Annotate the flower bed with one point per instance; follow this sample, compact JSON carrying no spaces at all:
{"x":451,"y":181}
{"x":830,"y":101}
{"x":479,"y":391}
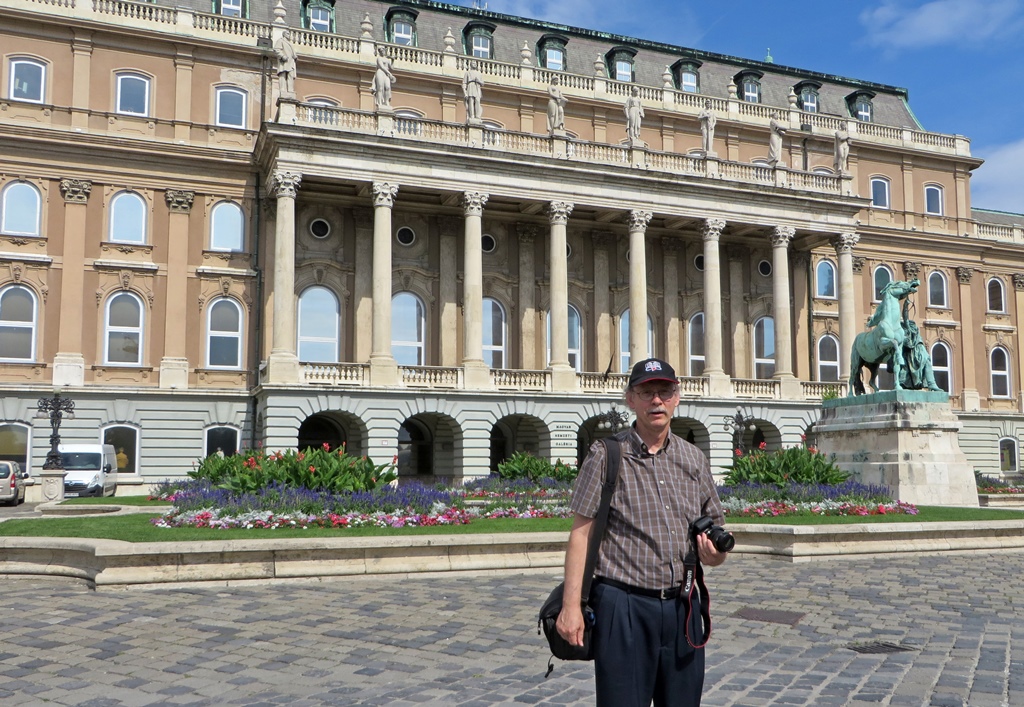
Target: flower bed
{"x":987,"y":484}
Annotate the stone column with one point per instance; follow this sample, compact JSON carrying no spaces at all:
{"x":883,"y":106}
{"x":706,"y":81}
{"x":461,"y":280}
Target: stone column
{"x":781,"y":298}
{"x":81,"y":81}
{"x":563,"y":376}
{"x":718,"y":381}
{"x":69,"y":363}
{"x":174,"y":364}
{"x":183,"y":64}
{"x":844,"y":244}
{"x":383,"y":369}
{"x":448,"y":288}
{"x":476,"y":373}
{"x":670,"y":272}
{"x":283,"y":364}
{"x":971,"y":398}
{"x":527,"y":297}
{"x":362,"y":295}
{"x":1018,"y":287}
{"x":606,"y":349}
{"x":741,"y":361}
{"x":638,"y":221}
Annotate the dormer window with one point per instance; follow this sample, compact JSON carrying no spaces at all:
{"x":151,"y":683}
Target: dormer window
{"x":478,"y":41}
{"x":551,"y":52}
{"x":232,"y":8}
{"x":748,"y":84}
{"x":620,"y":63}
{"x":860,"y":106}
{"x":401,"y":26}
{"x":807,"y":96}
{"x":687,"y":76}
{"x":319,"y":15}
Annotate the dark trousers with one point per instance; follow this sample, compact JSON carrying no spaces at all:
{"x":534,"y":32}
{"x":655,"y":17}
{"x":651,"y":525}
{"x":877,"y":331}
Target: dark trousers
{"x":641,"y":653}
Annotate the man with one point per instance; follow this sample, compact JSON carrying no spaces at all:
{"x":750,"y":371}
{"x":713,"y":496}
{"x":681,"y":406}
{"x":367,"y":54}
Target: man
{"x":285,"y":66}
{"x":641,"y":652}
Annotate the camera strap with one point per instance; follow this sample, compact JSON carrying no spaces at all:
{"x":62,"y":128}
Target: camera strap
{"x":694,"y":583}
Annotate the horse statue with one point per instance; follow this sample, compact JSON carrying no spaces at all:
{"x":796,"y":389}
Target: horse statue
{"x":884,"y":343}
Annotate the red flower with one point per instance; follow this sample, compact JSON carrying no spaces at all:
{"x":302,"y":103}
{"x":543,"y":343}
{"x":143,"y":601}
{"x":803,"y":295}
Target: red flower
{"x":301,"y":456}
{"x":312,"y":469}
{"x":762,"y":446}
{"x":739,"y":453}
{"x":327,"y":447}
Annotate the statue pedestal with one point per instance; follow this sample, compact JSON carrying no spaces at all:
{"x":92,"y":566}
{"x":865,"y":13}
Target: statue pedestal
{"x":903,"y":439}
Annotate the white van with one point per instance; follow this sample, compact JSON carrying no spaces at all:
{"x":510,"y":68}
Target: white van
{"x":91,"y":469}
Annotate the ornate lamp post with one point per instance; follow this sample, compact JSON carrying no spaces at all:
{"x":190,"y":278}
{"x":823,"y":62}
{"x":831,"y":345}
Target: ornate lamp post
{"x":613,"y":420}
{"x":737,"y":424}
{"x":55,"y":408}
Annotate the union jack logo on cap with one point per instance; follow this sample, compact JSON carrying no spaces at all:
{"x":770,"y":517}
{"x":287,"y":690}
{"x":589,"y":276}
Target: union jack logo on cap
{"x":652,"y":366}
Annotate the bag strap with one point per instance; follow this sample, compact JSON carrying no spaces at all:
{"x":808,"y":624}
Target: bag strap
{"x":695,"y":584}
{"x":613,"y":457}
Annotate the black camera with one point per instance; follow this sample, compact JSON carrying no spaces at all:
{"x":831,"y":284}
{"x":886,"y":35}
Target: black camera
{"x":721,"y":538}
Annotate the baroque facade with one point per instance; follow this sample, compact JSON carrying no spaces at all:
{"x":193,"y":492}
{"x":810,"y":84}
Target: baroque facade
{"x":228,"y":225}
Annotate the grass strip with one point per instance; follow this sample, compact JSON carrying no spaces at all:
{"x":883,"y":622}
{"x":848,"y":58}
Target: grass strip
{"x":115,"y":501}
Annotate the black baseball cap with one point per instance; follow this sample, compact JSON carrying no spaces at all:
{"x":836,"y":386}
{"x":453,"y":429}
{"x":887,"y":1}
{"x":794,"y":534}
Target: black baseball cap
{"x":652,"y":369}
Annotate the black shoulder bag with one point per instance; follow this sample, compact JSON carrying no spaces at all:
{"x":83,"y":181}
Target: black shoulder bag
{"x":560,"y":648}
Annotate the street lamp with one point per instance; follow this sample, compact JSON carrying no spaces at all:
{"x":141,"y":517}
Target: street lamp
{"x":738,"y":423}
{"x":613,"y":420}
{"x":55,"y":408}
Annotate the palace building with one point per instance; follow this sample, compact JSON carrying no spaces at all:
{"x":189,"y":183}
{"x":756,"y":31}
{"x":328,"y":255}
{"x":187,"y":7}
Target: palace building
{"x":225,"y":224}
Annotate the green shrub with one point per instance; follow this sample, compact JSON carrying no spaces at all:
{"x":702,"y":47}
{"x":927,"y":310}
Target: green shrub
{"x":314,"y":469}
{"x":801,"y":465}
{"x":526,"y":466}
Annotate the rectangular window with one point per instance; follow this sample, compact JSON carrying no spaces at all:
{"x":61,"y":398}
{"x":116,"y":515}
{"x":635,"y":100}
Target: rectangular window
{"x":401,"y":33}
{"x":623,"y":71}
{"x":554,"y":59}
{"x":880,"y":193}
{"x":751,"y":92}
{"x":230,"y":108}
{"x":27,"y":79}
{"x":864,"y":112}
{"x":132,"y":95}
{"x":688,"y":82}
{"x":481,"y":46}
{"x":320,"y":19}
{"x":810,"y":102}
{"x":933,"y":200}
{"x":231,"y":8}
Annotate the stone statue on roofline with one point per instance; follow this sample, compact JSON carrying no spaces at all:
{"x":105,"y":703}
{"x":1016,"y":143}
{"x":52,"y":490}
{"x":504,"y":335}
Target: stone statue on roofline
{"x":383,"y":80}
{"x":472,"y":90}
{"x":775,"y":140}
{"x":707,"y":120}
{"x":286,"y":61}
{"x":556,"y":107}
{"x":634,"y":110}
{"x":841,"y":158}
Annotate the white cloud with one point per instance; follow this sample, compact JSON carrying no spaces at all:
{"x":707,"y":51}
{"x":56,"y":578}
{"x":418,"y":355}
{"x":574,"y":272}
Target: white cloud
{"x":576,"y":13}
{"x":895,"y":24}
{"x":999,"y":183}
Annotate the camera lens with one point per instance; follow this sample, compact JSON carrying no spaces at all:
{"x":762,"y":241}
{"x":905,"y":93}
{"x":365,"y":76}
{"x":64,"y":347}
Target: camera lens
{"x":722,"y":539}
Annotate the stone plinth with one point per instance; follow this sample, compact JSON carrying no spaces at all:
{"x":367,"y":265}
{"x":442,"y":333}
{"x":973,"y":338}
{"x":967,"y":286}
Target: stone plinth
{"x":903,"y":439}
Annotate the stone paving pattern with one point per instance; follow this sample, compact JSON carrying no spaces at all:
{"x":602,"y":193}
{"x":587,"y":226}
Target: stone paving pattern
{"x":472,"y":641}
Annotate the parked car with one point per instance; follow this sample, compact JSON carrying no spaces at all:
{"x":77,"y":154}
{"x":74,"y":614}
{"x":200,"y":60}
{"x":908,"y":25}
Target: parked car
{"x":12,"y":483}
{"x":91,"y":469}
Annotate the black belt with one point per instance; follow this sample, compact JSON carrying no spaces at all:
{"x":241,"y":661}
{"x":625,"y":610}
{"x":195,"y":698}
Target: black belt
{"x":670,"y":593}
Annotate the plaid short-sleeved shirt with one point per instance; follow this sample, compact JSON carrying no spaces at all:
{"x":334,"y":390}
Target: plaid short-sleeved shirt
{"x":656,"y":498}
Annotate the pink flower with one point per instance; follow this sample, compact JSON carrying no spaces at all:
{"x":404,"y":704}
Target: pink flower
{"x":327,"y":447}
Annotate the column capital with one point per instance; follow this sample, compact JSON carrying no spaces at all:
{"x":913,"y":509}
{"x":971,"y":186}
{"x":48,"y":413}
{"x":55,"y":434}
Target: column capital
{"x":558,"y":212}
{"x":384,"y":194}
{"x":911,"y":269}
{"x":712,"y":229}
{"x":638,"y":220}
{"x":1018,"y":281}
{"x":283,"y":183}
{"x":781,"y":236}
{"x":845,"y":242}
{"x":75,"y":191}
{"x":473,"y":203}
{"x":179,"y":201}
{"x":526,"y":232}
{"x":964,"y":275}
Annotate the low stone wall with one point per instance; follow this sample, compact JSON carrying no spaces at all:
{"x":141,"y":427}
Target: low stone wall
{"x":1001,"y":500}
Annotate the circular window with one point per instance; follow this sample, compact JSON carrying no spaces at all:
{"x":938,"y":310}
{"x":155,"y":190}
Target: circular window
{"x":320,"y":228}
{"x":765,"y":268}
{"x":698,"y":262}
{"x":487,"y":243}
{"x":405,"y":236}
{"x":568,"y":251}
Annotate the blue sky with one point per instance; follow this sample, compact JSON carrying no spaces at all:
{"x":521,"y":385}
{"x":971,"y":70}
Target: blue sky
{"x":962,"y":61}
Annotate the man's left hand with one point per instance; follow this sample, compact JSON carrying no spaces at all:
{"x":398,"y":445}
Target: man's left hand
{"x":708,"y":553}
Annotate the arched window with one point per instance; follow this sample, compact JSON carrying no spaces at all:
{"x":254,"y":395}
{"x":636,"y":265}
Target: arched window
{"x":132,"y":94}
{"x":861,"y":108}
{"x":551,"y":52}
{"x":18,"y":313}
{"x":401,"y":25}
{"x":937,"y":290}
{"x":828,"y":358}
{"x":1008,"y":455}
{"x":22,"y":209}
{"x":807,"y":95}
{"x":127,"y":218}
{"x":221,"y":439}
{"x":882,"y":277}
{"x":748,"y":85}
{"x":687,"y":75}
{"x":941,"y":366}
{"x":996,"y":296}
{"x":494,"y":331}
{"x":408,"y":329}
{"x":14,"y":443}
{"x":880,"y":192}
{"x":620,"y":63}
{"x":318,"y":15}
{"x":695,"y":341}
{"x":227,"y":227}
{"x":624,"y":358}
{"x":123,"y":330}
{"x":1000,"y":368}
{"x":933,"y":203}
{"x":319,"y":326}
{"x":224,"y":334}
{"x":575,"y":338}
{"x":231,"y":105}
{"x":28,"y":81}
{"x":125,"y":441}
{"x":478,"y":39}
{"x":825,"y":279}
{"x":764,"y":348}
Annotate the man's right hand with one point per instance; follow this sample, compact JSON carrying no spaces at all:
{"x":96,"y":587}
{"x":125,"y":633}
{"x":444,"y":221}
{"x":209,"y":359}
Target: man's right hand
{"x":570,"y":624}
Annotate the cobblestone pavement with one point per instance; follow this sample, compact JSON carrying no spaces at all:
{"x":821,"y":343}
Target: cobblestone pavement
{"x":472,"y":640}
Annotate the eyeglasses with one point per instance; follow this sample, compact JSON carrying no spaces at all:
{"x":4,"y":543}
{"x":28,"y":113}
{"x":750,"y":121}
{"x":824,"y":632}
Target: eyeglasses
{"x":648,"y":394}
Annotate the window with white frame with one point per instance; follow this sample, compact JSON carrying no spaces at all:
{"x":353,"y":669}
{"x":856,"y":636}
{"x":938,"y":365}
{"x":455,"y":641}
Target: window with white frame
{"x":227,"y":227}
{"x":807,"y":97}
{"x":125,"y":441}
{"x":695,"y":342}
{"x":402,"y":32}
{"x":749,"y":86}
{"x":996,"y":296}
{"x":860,"y":105}
{"x":224,"y":334}
{"x":319,"y":15}
{"x":933,"y":203}
{"x":999,"y":365}
{"x":575,"y":338}
{"x":408,"y":329}
{"x":481,"y":46}
{"x":623,"y":70}
{"x":764,"y":348}
{"x":221,"y":440}
{"x":22,"y":210}
{"x":937,"y":291}
{"x":941,"y":366}
{"x":687,"y":75}
{"x":1008,"y":457}
{"x":19,"y":312}
{"x":132,"y":94}
{"x":624,"y":357}
{"x":14,"y":443}
{"x":127,"y":218}
{"x":825,"y":279}
{"x":880,"y":192}
{"x":620,"y":63}
{"x":123,"y":330}
{"x":231,"y":104}
{"x":232,"y":8}
{"x":495,"y":332}
{"x":882,"y":277}
{"x":551,"y":52}
{"x":401,"y":26}
{"x":477,"y":40}
{"x":319,"y":326}
{"x":828,"y":359}
{"x":28,"y":81}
